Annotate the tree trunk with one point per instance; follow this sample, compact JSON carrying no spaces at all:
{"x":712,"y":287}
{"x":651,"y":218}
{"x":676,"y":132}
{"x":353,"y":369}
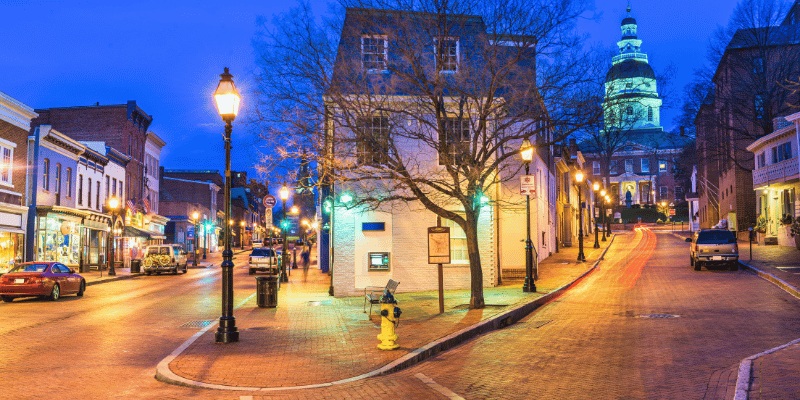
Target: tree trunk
{"x":476,"y":272}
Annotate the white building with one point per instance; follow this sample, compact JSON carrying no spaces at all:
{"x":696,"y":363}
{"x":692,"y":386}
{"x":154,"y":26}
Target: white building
{"x":775,"y":178}
{"x":152,"y":155}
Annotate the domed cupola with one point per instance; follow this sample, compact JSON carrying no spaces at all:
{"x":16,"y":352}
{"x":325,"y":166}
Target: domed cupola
{"x":631,"y":96}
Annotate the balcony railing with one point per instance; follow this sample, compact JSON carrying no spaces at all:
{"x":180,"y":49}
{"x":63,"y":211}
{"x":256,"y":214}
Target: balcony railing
{"x":621,"y":57}
{"x":777,"y":172}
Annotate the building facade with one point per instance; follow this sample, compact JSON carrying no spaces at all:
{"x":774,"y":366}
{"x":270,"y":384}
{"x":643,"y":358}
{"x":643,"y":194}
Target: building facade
{"x":182,"y":192}
{"x":776,"y":179}
{"x":15,"y":119}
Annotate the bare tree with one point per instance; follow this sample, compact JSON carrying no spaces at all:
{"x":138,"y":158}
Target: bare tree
{"x":432,"y":113}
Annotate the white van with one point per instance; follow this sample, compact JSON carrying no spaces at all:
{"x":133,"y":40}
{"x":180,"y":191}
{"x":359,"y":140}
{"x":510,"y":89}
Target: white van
{"x":164,"y":258}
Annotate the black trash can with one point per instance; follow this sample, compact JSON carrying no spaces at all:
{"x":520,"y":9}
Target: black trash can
{"x":267,"y":291}
{"x":136,"y":266}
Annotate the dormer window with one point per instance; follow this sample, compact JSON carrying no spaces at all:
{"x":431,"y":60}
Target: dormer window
{"x":374,"y":51}
{"x":447,"y":52}
{"x":628,"y":85}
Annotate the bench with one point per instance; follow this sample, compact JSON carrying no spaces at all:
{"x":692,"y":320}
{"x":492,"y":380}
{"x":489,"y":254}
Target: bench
{"x":372,"y":294}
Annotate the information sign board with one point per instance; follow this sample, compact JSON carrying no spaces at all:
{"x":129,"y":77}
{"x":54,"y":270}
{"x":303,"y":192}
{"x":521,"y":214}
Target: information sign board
{"x":527,"y":185}
{"x":439,"y":245}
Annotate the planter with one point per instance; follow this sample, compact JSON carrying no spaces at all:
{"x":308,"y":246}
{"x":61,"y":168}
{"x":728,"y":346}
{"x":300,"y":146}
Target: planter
{"x":760,"y":238}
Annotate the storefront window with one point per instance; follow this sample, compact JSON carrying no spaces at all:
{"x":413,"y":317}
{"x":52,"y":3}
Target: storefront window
{"x":58,"y":240}
{"x":11,"y":246}
{"x":97,"y":247}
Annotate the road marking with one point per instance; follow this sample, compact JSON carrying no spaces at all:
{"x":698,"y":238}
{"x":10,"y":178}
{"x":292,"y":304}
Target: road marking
{"x":245,"y":397}
{"x":437,"y":387}
{"x":785,"y":268}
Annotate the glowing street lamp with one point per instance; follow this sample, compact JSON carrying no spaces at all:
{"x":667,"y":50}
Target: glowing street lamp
{"x":284,"y":195}
{"x":227,"y":99}
{"x":526,"y":153}
{"x":241,"y":234}
{"x":579,"y":179}
{"x":114,"y":210}
{"x":596,"y":188}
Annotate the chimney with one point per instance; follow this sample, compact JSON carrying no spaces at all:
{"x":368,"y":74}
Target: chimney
{"x":573,"y":148}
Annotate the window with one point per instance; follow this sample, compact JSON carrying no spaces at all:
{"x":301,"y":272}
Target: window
{"x":46,"y":175}
{"x":762,"y":160}
{"x":645,"y":164}
{"x":613,"y":166}
{"x":758,"y":106}
{"x":89,"y":197}
{"x":678,"y":193}
{"x":629,"y":111}
{"x":758,"y":65}
{"x":453,"y":141}
{"x":774,"y":155}
{"x":372,"y":140}
{"x":69,"y":182}
{"x":649,"y":113}
{"x":447,"y":52}
{"x":458,"y":243}
{"x":595,"y":168}
{"x":628,"y":165}
{"x":120,"y":191}
{"x":97,"y":199}
{"x":6,"y":164}
{"x":58,"y":179}
{"x":374,"y":53}
{"x":781,"y":152}
{"x":662,"y":166}
{"x":662,"y":192}
{"x":108,"y":184}
{"x":113,"y":186}
{"x":80,"y":190}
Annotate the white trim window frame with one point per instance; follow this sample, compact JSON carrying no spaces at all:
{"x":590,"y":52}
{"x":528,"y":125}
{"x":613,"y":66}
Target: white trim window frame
{"x":374,"y":53}
{"x":662,"y":166}
{"x":6,"y":165}
{"x":454,"y":142}
{"x":450,"y":58}
{"x":459,"y":253}
{"x":595,"y":168}
{"x":645,"y":164}
{"x":372,"y":140}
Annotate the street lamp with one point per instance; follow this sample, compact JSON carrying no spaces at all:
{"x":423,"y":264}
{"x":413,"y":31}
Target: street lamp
{"x":241,"y":234}
{"x":526,"y":152}
{"x":603,"y":202}
{"x":113,"y":207}
{"x":295,"y":210}
{"x":284,"y":195}
{"x":596,"y":188}
{"x":227,"y":99}
{"x":195,"y":217}
{"x":579,"y":179}
{"x":206,"y":227}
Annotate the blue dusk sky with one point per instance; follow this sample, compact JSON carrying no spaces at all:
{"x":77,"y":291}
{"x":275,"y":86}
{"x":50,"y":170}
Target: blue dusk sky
{"x":167,"y":56}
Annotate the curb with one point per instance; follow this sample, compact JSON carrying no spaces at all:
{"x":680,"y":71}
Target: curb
{"x":164,"y":374}
{"x":116,"y":278}
{"x":773,"y":279}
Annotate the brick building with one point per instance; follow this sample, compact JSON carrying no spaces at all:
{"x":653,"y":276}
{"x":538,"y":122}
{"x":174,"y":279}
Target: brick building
{"x":748,"y":94}
{"x":122,"y":126}
{"x":182,"y":192}
{"x":15,"y":118}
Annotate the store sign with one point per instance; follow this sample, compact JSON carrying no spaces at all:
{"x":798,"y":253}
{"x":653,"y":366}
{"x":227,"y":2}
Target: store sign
{"x":7,"y":219}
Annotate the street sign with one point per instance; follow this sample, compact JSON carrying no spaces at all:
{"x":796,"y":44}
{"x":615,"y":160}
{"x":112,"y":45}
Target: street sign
{"x":671,"y":212}
{"x":527,"y":185}
{"x":617,"y":215}
{"x":190,"y":232}
{"x":269,"y":201}
{"x":439,"y":245}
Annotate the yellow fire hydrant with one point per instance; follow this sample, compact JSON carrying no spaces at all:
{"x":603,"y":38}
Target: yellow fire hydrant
{"x":390,"y":318}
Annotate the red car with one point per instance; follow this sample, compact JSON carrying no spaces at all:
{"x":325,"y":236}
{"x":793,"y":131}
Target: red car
{"x":44,"y":279}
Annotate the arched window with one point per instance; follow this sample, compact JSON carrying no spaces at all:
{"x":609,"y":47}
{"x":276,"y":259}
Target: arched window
{"x":629,"y":110}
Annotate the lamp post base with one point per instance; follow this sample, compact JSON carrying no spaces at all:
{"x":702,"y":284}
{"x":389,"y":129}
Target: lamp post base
{"x":529,"y":286}
{"x":284,"y":277}
{"x":227,"y":332}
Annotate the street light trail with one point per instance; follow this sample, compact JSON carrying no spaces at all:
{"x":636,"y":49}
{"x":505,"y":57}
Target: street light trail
{"x":633,"y":269}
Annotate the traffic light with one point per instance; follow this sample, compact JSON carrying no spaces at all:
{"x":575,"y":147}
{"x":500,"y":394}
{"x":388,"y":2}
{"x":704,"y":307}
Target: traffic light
{"x":285,"y":224}
{"x":327,"y":205}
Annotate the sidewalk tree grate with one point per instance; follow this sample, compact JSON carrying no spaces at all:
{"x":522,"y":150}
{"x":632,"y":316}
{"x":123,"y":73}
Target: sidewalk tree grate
{"x":197,"y":324}
{"x":319,"y":303}
{"x":659,"y":316}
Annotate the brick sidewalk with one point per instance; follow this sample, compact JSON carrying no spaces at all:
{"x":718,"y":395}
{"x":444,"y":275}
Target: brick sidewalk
{"x":331,"y":339}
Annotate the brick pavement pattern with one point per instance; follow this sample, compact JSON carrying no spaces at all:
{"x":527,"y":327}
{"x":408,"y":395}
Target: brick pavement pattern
{"x":675,"y":333}
{"x":331,"y":338}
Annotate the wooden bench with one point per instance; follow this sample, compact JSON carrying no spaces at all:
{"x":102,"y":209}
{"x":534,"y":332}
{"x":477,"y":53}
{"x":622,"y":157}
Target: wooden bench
{"x":372,"y":294}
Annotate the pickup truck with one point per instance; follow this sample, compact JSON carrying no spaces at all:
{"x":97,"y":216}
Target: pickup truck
{"x":264,"y":260}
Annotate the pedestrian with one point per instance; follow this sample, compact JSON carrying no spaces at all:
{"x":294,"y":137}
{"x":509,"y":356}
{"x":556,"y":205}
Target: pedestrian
{"x":305,"y":255}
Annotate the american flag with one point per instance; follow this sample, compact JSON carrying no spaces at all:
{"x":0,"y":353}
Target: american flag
{"x":146,"y":204}
{"x":131,"y":205}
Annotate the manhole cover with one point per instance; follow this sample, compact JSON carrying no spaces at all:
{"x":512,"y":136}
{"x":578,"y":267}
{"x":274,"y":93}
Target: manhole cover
{"x":659,"y":316}
{"x":319,"y":303}
{"x":257,"y":328}
{"x":197,"y":324}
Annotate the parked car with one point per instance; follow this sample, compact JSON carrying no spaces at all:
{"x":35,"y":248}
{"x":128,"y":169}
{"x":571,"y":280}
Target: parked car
{"x":264,"y":260}
{"x":714,"y":247}
{"x":299,"y":242}
{"x":164,"y":258}
{"x":44,"y":279}
{"x":257,"y":244}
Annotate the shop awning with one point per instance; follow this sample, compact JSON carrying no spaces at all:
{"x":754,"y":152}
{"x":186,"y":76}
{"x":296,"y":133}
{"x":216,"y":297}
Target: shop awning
{"x":10,"y":229}
{"x":131,"y":231}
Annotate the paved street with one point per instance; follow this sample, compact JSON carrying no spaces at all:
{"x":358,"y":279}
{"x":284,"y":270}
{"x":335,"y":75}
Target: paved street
{"x":643,"y":324}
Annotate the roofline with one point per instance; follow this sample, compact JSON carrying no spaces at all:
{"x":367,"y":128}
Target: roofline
{"x":16,"y":112}
{"x":407,"y":12}
{"x":160,"y":142}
